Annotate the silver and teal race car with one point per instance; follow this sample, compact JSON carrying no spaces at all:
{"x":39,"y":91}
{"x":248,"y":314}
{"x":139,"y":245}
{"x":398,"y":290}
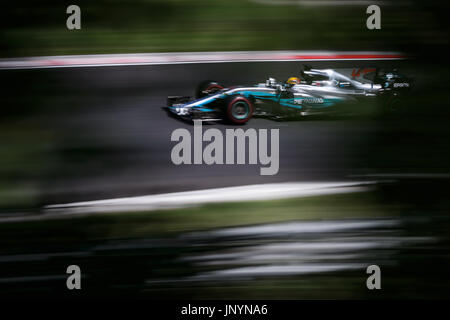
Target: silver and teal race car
{"x":314,"y":92}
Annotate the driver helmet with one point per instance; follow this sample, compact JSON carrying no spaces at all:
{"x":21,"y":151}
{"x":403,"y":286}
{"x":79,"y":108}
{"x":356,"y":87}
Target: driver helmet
{"x":293,"y":81}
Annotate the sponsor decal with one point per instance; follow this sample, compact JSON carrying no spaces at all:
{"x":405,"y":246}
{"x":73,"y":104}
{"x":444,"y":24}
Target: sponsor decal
{"x":401,"y":85}
{"x":308,"y":100}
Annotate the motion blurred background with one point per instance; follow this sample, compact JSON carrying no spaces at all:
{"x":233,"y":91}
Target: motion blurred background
{"x":81,"y":134}
{"x":113,"y":26}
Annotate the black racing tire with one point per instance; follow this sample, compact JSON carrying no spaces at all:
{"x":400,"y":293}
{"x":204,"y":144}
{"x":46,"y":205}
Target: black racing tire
{"x":238,"y":109}
{"x":206,"y":88}
{"x":394,"y":107}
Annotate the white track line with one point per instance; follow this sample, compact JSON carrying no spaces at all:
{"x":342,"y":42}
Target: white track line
{"x":258,"y":192}
{"x":76,"y":61}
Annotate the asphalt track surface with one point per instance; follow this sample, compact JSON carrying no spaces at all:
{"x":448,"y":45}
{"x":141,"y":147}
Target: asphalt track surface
{"x":106,"y":136}
{"x":112,"y":139}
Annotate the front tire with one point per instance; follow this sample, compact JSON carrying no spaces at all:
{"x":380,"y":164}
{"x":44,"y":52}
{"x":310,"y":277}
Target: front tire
{"x":238,"y":110}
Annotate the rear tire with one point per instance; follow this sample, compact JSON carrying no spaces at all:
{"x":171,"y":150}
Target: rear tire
{"x":394,"y":107}
{"x":238,"y":109}
{"x":206,"y":88}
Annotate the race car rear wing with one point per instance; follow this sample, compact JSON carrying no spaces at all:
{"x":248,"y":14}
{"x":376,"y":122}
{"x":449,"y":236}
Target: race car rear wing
{"x":377,"y":75}
{"x":370,"y":74}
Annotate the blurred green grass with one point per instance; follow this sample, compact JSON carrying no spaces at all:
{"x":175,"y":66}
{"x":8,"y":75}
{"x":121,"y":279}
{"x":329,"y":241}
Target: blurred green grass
{"x":170,"y":223}
{"x":166,"y":226}
{"x":25,"y":157}
{"x":200,"y":25}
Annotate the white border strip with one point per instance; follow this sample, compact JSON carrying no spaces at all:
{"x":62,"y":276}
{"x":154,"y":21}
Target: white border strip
{"x":191,"y":58}
{"x":259,"y":192}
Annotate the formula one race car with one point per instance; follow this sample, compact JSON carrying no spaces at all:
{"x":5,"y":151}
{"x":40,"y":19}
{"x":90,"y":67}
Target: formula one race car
{"x":314,"y":92}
